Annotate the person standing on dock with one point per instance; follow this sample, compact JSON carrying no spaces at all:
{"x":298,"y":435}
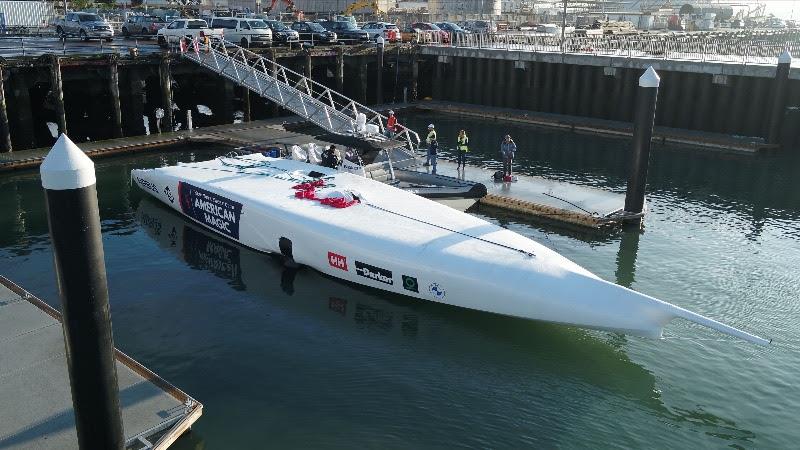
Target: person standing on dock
{"x":432,"y":143}
{"x":507,"y":150}
{"x":462,"y":146}
{"x":391,"y":125}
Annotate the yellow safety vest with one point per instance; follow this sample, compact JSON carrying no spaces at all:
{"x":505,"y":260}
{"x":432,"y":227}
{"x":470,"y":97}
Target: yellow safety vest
{"x":462,"y":143}
{"x":431,"y":136}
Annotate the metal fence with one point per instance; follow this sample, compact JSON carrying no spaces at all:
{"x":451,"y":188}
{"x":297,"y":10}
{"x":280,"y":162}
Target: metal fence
{"x":690,"y":48}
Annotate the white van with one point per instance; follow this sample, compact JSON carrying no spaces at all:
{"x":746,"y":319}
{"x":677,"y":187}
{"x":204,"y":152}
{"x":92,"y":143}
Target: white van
{"x":244,"y":32}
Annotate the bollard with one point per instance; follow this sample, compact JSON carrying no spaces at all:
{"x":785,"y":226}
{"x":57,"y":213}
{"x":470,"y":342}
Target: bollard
{"x":379,"y":78}
{"x":779,"y":98}
{"x":69,"y":182}
{"x":189,"y":119}
{"x":645,"y":115}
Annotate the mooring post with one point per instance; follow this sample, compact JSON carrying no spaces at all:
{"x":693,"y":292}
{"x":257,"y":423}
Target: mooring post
{"x":246,"y":101}
{"x":58,"y":92}
{"x":189,"y":125}
{"x":379,"y":72}
{"x":779,"y":98}
{"x":414,"y":76}
{"x":645,"y":116}
{"x":308,"y":67}
{"x":113,"y":87}
{"x":166,"y":91}
{"x":362,"y":80}
{"x":273,"y":70}
{"x":340,"y":70}
{"x":69,"y":183}
{"x":5,"y":129}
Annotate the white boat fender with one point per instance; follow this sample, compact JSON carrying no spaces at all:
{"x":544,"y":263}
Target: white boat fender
{"x":314,"y":153}
{"x":298,"y":154}
{"x":361,"y":122}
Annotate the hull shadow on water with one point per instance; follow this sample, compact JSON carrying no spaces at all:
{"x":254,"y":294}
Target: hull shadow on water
{"x":527,"y":356}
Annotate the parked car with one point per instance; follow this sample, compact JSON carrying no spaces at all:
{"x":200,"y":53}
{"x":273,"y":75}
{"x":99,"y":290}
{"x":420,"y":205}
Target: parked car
{"x":347,"y":32}
{"x":479,"y":26}
{"x":245,"y":32}
{"x":434,"y":33}
{"x":313,"y":33}
{"x":142,"y":25}
{"x":85,"y":26}
{"x":281,"y":34}
{"x":451,"y":27}
{"x":191,"y":28}
{"x":389,"y":31}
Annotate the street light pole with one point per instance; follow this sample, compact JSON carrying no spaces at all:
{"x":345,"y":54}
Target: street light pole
{"x":563,"y":25}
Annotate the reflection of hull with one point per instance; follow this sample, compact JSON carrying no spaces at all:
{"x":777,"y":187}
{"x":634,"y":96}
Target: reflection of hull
{"x":402,"y":243}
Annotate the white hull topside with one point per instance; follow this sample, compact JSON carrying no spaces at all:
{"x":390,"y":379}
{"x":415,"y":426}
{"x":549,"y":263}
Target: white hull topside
{"x":399,"y":242}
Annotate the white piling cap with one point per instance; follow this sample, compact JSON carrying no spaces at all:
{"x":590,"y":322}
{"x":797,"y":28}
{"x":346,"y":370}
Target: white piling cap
{"x":785,"y":58}
{"x":66,"y":167}
{"x":649,"y":78}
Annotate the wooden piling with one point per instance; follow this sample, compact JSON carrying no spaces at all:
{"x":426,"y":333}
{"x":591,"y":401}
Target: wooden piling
{"x":362,"y":80}
{"x":340,"y":69}
{"x":272,"y":57}
{"x":246,"y":104}
{"x":308,"y":67}
{"x":166,"y":91}
{"x":113,"y":88}
{"x":5,"y":129}
{"x":58,"y":92}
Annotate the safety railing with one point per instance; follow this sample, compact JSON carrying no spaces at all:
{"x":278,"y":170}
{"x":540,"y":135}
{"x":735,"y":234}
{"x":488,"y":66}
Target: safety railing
{"x":36,"y":46}
{"x":313,"y":101}
{"x":714,"y":48}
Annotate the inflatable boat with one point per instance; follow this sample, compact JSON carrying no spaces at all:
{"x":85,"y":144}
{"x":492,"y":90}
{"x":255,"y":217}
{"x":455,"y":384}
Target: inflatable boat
{"x":367,"y":232}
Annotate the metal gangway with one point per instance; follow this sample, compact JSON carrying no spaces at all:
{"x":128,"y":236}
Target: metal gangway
{"x":313,"y":101}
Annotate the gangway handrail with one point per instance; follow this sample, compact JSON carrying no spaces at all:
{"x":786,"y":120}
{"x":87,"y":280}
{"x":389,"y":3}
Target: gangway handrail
{"x":312,"y":100}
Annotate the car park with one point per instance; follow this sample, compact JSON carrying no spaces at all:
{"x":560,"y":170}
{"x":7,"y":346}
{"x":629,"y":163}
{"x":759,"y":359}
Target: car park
{"x":389,"y":31}
{"x":346,"y":31}
{"x":313,"y":33}
{"x":142,"y":25}
{"x":281,"y":34}
{"x":245,"y":32}
{"x":451,"y":28}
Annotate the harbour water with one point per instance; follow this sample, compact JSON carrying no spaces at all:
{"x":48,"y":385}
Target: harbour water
{"x":298,"y":360}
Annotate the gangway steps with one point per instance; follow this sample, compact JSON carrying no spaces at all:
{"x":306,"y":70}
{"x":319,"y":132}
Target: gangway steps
{"x":313,"y":101}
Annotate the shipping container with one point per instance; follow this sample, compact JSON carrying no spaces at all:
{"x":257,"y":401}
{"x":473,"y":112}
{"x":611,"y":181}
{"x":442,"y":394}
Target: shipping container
{"x":16,"y":14}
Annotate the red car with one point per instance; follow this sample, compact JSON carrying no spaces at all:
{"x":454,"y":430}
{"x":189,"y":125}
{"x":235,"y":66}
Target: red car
{"x":432,"y":29}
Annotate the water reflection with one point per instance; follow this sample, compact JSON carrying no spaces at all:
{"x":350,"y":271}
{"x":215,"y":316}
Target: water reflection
{"x":626,"y":257}
{"x":519,"y":349}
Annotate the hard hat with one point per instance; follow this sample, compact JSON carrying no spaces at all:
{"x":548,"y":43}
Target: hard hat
{"x":391,"y":112}
{"x":430,"y":126}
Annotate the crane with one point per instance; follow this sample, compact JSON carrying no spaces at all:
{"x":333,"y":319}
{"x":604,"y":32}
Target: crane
{"x":359,"y":4}
{"x":290,"y":8}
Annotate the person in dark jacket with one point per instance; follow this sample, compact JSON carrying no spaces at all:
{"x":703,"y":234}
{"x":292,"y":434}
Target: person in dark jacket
{"x":507,"y":150}
{"x":330,"y":157}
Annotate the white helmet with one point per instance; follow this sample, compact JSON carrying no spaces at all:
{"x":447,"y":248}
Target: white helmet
{"x":430,"y":126}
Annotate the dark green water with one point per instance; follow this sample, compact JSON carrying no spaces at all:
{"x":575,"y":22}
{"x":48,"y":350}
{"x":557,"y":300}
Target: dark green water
{"x":298,"y":360}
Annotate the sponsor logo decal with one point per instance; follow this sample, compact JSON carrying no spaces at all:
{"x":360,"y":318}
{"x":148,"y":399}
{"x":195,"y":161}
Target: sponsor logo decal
{"x":437,"y":291}
{"x":374,"y":273}
{"x":169,"y":195}
{"x":144,"y":184}
{"x":215,"y":211}
{"x":337,"y":261}
{"x":410,"y":283}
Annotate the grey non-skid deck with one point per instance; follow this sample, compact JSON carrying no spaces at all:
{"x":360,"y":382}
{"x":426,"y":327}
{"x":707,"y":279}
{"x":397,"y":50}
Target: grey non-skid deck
{"x":36,"y":403}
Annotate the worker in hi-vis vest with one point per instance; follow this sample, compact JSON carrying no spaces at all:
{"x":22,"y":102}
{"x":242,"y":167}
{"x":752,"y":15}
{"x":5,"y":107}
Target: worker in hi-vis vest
{"x":432,"y":145}
{"x":462,"y":146}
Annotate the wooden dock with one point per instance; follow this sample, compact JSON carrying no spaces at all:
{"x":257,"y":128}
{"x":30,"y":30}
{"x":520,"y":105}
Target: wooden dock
{"x":36,"y":404}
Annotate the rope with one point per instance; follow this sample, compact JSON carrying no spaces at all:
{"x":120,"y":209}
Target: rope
{"x":524,"y":252}
{"x":596,"y":214}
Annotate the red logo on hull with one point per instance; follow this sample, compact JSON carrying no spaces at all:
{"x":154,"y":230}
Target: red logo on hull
{"x":337,"y":261}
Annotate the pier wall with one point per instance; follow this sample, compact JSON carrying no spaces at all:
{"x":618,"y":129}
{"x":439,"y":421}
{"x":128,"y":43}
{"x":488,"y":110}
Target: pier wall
{"x":701,"y":96}
{"x":109,"y":96}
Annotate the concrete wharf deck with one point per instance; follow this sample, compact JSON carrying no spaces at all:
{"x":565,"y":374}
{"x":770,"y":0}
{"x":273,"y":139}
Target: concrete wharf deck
{"x":36,"y":402}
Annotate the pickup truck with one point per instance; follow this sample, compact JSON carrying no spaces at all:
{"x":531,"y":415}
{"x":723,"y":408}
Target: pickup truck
{"x":190,"y":28}
{"x":85,"y":26}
